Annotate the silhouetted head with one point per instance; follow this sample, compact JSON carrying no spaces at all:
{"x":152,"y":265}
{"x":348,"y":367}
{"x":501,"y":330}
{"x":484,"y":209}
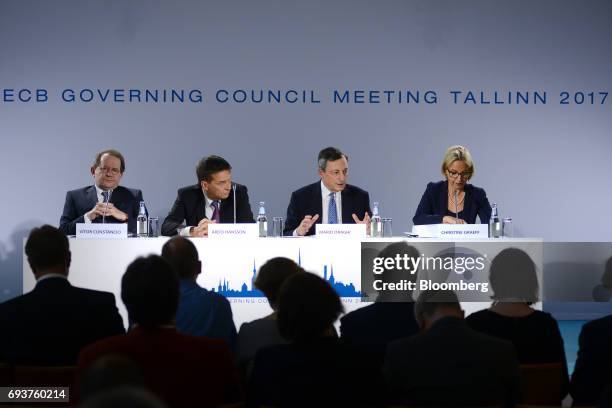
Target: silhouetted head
{"x":47,"y":250}
{"x":433,"y":305}
{"x":513,"y":277}
{"x":182,"y":255}
{"x":271,"y":276}
{"x":150,"y":291}
{"x":307,"y":307}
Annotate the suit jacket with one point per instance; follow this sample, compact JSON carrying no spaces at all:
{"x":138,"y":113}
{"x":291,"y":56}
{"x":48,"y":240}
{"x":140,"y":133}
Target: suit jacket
{"x":190,"y":203}
{"x":204,"y":313}
{"x":80,"y":201}
{"x":593,"y":369}
{"x":451,"y":364}
{"x":308,"y":201}
{"x":182,"y":370}
{"x":319,"y":373}
{"x":50,"y":324}
{"x":434,"y":205}
{"x":371,"y":328}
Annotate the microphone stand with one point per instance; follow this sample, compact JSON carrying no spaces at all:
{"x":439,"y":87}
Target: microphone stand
{"x":456,"y":206}
{"x":110,"y":192}
{"x":234,"y":190}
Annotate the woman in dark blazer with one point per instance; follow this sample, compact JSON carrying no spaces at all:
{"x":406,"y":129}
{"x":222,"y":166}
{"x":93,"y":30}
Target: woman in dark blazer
{"x":454,"y":201}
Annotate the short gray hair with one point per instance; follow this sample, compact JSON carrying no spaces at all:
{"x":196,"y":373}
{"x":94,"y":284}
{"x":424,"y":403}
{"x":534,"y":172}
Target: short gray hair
{"x":329,"y":154}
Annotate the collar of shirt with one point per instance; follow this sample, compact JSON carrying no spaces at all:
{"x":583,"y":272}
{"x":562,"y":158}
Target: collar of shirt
{"x":325,"y":196}
{"x":51,"y":275}
{"x":208,"y":206}
{"x":99,"y":194}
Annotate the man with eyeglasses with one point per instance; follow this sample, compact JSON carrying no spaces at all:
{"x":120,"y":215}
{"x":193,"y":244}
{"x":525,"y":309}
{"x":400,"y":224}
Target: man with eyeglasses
{"x":454,"y":201}
{"x":104,"y":202}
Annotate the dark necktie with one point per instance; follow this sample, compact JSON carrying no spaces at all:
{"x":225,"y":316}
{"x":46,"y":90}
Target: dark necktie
{"x":216,"y":216}
{"x":105,"y":196}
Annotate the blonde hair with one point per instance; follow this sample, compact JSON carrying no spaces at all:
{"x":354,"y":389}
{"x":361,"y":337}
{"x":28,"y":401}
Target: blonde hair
{"x":455,"y":153}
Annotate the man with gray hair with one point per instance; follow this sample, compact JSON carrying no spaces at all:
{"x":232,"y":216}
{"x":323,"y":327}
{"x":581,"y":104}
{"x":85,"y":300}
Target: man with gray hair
{"x":330,"y":200}
{"x":449,"y":363}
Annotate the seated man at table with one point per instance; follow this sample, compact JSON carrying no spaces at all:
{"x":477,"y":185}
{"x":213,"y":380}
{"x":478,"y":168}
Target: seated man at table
{"x":50,"y":324}
{"x":330,"y":200}
{"x":104,"y":202}
{"x":209,"y":201}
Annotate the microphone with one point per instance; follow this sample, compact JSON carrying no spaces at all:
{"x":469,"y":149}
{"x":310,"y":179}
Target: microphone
{"x":456,"y":205}
{"x":106,"y":201}
{"x":234,"y":190}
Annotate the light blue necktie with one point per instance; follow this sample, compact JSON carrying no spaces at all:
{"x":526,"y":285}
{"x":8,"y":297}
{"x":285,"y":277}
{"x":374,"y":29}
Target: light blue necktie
{"x":332,"y":212}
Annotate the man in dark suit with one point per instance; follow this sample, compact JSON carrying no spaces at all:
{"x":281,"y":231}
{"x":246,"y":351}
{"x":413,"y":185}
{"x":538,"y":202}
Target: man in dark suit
{"x":209,"y":201}
{"x":391,"y":317}
{"x":50,"y":325}
{"x":593,"y":369}
{"x":449,"y":364}
{"x":182,"y":370}
{"x":105,"y":201}
{"x":330,"y":200}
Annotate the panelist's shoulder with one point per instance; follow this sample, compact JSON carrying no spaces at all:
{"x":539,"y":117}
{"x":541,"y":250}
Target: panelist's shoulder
{"x":79,"y":191}
{"x":306,"y":190}
{"x":355,"y":190}
{"x":191,"y":190}
{"x":479,"y":191}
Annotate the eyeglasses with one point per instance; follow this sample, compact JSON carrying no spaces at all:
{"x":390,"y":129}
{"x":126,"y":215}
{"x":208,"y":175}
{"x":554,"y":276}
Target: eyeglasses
{"x":454,"y":174}
{"x":106,"y":170}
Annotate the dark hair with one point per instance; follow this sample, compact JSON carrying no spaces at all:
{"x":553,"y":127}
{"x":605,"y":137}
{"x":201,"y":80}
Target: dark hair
{"x":430,"y":301}
{"x":272,"y":274}
{"x":46,"y":247}
{"x":209,"y":165}
{"x":110,"y":152}
{"x":513,"y":277}
{"x":150,"y":291}
{"x":394,"y":275}
{"x":606,"y":278}
{"x":329,"y":154}
{"x":307,"y":306}
{"x":182,"y":255}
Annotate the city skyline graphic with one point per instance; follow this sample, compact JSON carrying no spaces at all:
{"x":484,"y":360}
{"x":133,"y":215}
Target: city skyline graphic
{"x":247,"y":291}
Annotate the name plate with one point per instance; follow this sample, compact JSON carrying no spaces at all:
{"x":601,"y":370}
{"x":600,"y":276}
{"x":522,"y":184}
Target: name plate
{"x":99,"y":231}
{"x":218,"y":231}
{"x":356,"y":231}
{"x":452,"y":231}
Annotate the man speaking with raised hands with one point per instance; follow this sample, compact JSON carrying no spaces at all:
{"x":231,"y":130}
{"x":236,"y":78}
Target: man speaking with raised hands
{"x":330,"y":200}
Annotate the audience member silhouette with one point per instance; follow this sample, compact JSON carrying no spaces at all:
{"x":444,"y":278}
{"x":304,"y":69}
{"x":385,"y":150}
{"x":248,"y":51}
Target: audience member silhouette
{"x":200,"y":311}
{"x":50,"y":324}
{"x":592,"y":377}
{"x":535,"y":334}
{"x":448,"y":363}
{"x":391,"y":317}
{"x":264,"y":332}
{"x":315,"y":369}
{"x":182,"y":370}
